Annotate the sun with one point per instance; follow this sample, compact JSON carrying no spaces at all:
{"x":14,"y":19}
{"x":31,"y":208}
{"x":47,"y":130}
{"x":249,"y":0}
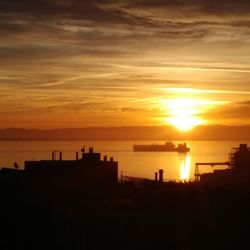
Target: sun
{"x":184,"y":123}
{"x":184,"y":113}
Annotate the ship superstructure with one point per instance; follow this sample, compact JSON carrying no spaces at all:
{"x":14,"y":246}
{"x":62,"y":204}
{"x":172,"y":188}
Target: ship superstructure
{"x":167,"y":147}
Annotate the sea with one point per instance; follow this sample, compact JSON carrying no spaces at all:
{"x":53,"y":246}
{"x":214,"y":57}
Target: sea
{"x":176,"y":166}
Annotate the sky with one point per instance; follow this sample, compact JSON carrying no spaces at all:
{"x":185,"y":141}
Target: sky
{"x":72,"y":63}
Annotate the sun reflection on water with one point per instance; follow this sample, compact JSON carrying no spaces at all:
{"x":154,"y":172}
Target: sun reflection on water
{"x":185,"y":166}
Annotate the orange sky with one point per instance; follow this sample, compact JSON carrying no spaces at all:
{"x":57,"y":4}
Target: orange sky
{"x":122,"y":63}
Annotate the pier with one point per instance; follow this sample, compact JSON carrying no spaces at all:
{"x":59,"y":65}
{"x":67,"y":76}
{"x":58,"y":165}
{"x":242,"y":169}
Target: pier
{"x":212,"y":164}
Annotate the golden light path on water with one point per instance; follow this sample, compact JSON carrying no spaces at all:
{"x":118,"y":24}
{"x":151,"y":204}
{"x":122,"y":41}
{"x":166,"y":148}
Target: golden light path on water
{"x":185,"y":167}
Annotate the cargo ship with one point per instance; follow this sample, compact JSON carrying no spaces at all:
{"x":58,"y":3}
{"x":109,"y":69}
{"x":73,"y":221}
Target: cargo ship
{"x":167,"y":147}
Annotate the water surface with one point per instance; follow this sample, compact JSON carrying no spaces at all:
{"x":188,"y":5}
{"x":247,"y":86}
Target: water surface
{"x":176,"y":166}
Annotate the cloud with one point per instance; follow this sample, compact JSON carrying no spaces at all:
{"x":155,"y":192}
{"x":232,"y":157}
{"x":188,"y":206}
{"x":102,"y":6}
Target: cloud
{"x":237,"y":112}
{"x":119,"y":51}
{"x":150,"y":17}
{"x":209,"y":7}
{"x":120,"y":23}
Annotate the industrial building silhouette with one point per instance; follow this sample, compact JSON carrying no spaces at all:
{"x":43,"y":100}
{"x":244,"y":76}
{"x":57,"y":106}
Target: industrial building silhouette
{"x":87,"y":170}
{"x":237,"y":173}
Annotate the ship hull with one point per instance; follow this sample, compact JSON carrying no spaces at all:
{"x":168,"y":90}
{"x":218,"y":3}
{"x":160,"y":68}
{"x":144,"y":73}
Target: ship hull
{"x":158,"y":148}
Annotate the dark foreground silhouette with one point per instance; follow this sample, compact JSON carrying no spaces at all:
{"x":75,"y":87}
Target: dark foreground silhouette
{"x":60,"y":210}
{"x":124,"y":216}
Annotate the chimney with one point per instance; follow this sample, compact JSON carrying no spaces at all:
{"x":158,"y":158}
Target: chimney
{"x":156,"y":176}
{"x":111,"y":159}
{"x":77,"y":156}
{"x":160,"y":175}
{"x":105,"y":158}
{"x":91,"y":150}
{"x":60,"y":156}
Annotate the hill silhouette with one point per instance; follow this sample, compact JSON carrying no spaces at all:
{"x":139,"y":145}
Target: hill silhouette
{"x":215,"y":132}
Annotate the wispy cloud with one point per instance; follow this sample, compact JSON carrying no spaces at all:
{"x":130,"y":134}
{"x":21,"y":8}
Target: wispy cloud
{"x":66,"y":55}
{"x":208,"y":91}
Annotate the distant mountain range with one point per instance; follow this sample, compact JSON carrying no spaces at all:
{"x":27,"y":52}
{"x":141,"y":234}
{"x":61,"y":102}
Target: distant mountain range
{"x":216,"y":132}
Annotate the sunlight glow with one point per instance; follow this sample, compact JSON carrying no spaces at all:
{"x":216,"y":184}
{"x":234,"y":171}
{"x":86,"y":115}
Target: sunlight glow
{"x":183,"y":113}
{"x":185,"y":122}
{"x":208,"y":91}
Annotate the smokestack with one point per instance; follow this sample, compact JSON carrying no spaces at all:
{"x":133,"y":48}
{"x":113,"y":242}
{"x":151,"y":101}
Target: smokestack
{"x":105,"y":158}
{"x":161,"y":175}
{"x":60,"y":156}
{"x":111,"y":159}
{"x":77,"y":156}
{"x":91,"y":150}
{"x":156,"y":176}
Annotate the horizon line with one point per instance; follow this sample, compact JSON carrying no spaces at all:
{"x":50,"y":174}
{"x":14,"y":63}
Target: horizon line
{"x":131,"y":126}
